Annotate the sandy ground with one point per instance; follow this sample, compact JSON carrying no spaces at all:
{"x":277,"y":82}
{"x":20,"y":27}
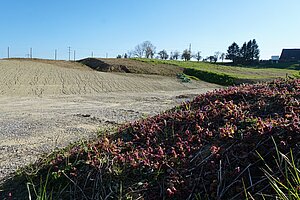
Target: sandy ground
{"x":44,"y":106}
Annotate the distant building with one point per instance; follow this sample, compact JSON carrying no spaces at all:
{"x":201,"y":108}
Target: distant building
{"x":275,"y":59}
{"x":290,"y":55}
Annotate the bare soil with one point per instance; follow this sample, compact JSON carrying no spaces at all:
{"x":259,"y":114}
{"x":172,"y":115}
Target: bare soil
{"x":131,"y":66}
{"x":49,"y":104}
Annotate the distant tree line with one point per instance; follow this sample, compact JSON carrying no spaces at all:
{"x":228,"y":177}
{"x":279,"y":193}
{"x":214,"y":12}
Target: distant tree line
{"x":148,"y":50}
{"x":247,"y":54}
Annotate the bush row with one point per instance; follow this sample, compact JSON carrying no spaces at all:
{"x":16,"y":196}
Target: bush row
{"x":211,"y":77}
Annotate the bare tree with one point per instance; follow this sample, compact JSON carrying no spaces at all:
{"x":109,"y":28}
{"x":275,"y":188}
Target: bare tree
{"x":146,"y":49}
{"x":216,"y":56}
{"x":138,"y":51}
{"x":130,"y":54}
{"x":198,"y":56}
{"x":149,"y":49}
{"x":176,"y":55}
{"x":222,"y":56}
{"x":171,"y":56}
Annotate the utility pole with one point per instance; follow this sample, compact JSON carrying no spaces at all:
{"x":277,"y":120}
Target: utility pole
{"x":190,"y":48}
{"x":55,"y":54}
{"x":74,"y":55}
{"x":92,"y":54}
{"x":7,"y":52}
{"x":106,"y":55}
{"x":30,"y":52}
{"x":69,"y":53}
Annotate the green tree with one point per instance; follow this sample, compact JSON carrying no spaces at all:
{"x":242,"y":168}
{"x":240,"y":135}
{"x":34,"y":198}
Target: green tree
{"x":211,"y":58}
{"x":254,"y":51}
{"x":186,"y":55}
{"x":249,"y":51}
{"x":163,"y":55}
{"x":233,"y":53}
{"x":244,"y":52}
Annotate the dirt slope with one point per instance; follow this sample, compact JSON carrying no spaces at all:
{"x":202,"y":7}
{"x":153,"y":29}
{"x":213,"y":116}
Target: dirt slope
{"x":38,"y":78}
{"x":130,"y":66}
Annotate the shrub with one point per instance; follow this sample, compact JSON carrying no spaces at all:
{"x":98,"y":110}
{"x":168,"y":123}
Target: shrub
{"x":222,"y":79}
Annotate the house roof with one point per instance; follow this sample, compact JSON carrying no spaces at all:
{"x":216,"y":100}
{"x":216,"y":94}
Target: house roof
{"x":290,"y":55}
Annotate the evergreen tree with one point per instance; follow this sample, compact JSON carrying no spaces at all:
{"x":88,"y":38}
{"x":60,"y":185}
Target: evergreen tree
{"x":249,"y":51}
{"x":244,"y":53}
{"x":247,"y":54}
{"x":233,"y":53}
{"x":254,"y":51}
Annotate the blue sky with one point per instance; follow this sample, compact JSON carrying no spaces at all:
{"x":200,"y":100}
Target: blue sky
{"x":117,"y":26}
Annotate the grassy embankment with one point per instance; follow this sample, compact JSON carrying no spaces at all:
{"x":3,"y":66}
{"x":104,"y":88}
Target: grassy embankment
{"x":229,"y":75}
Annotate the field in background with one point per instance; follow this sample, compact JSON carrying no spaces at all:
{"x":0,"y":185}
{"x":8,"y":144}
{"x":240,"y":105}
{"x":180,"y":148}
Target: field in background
{"x":225,"y":75}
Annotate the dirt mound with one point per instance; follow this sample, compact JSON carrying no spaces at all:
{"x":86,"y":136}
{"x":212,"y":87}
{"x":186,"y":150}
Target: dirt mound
{"x":59,"y":63}
{"x":34,"y":77}
{"x":130,"y":66}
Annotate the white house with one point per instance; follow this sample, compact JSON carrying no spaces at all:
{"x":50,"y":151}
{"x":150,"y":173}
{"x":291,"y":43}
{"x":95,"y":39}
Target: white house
{"x":275,"y":59}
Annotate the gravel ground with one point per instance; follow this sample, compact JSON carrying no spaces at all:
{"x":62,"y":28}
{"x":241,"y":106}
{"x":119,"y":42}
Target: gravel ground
{"x":35,"y":123}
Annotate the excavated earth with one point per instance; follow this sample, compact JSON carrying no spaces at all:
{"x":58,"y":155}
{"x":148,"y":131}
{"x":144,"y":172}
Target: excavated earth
{"x":49,"y":104}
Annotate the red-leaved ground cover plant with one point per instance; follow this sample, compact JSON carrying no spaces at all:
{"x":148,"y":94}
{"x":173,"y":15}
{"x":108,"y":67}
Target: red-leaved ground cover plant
{"x":204,"y":149}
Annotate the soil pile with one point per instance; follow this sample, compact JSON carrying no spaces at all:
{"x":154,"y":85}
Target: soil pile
{"x":130,"y":66}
